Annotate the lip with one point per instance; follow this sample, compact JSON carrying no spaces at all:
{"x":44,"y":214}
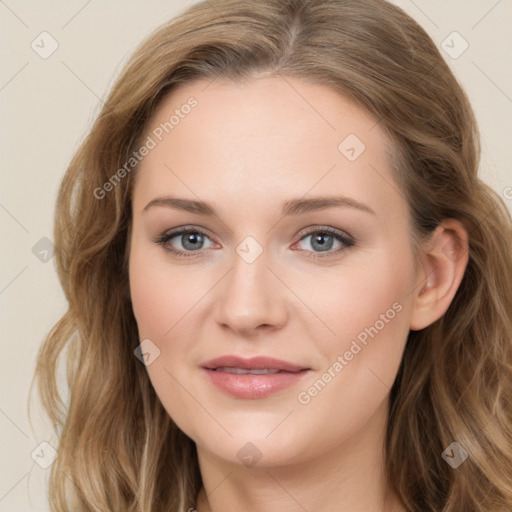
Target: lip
{"x":253,"y":363}
{"x":251,"y":386}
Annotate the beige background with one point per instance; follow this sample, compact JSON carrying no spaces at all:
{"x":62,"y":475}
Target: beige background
{"x":47,"y":105}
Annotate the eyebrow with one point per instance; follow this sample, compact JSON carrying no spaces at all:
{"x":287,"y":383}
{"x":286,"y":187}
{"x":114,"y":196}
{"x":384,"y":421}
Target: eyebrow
{"x":290,"y":207}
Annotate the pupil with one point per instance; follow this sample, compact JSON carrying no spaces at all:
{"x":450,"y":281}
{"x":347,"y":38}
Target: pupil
{"x":193,"y":239}
{"x":319,"y":239}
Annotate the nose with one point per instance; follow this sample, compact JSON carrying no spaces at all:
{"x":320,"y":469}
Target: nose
{"x":251,"y":298}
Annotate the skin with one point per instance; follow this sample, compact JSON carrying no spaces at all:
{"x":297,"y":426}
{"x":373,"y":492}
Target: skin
{"x":246,"y":148}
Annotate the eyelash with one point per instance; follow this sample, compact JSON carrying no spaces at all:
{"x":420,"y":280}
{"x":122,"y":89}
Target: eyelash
{"x":345,"y":239}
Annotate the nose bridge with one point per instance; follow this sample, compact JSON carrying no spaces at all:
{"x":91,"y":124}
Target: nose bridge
{"x":251,"y":295}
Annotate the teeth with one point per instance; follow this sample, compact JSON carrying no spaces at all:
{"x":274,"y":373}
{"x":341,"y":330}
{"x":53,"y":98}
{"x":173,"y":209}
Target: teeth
{"x":241,"y":371}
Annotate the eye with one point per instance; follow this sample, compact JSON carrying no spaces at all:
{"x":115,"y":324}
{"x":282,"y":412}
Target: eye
{"x":323,"y":239}
{"x":191,"y":241}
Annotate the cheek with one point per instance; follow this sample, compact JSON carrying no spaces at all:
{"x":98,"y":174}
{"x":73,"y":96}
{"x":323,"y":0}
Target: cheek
{"x":161,"y":299}
{"x":368,"y":309}
{"x":374,"y":300}
{"x":368,"y":293}
{"x":161,"y":293}
{"x":377,"y":317}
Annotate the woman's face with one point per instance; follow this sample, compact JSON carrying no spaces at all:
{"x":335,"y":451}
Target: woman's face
{"x":261,"y":277}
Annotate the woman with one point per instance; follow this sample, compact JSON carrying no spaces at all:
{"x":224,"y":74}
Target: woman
{"x":287,"y":286}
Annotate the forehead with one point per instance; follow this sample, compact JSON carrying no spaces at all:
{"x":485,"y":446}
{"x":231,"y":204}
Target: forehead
{"x":263,"y":139}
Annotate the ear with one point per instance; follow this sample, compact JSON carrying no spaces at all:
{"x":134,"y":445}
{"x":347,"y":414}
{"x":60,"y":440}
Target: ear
{"x":443,"y":263}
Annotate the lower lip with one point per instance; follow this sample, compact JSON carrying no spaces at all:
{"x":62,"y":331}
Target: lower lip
{"x":253,"y":386}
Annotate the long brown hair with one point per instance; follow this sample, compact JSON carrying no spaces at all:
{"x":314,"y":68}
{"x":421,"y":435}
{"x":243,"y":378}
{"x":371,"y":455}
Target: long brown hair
{"x":118,"y":449}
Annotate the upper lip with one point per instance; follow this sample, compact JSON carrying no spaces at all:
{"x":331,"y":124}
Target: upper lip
{"x":253,"y":363}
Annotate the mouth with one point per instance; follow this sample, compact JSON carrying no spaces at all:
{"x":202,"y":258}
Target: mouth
{"x":258,"y":377}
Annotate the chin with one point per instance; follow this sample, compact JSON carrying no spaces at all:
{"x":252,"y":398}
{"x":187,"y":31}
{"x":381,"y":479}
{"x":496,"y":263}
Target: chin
{"x":252,"y":447}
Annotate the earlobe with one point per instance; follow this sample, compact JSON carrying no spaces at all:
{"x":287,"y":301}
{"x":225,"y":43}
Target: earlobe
{"x":444,"y":261}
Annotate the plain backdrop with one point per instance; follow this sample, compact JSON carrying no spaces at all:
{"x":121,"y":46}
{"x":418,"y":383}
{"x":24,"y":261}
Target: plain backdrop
{"x":48,"y":104}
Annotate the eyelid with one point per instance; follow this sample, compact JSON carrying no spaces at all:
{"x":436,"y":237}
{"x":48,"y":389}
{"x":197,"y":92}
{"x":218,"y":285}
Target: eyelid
{"x":167,"y":235}
{"x":315,"y":228}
